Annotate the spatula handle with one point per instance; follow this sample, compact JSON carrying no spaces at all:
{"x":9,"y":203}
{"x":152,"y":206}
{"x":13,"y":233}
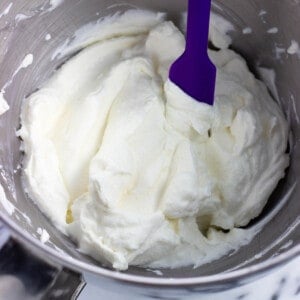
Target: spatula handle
{"x":198,"y":26}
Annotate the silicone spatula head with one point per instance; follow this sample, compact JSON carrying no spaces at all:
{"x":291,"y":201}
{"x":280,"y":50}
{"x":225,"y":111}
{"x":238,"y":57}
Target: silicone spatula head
{"x":193,"y":72}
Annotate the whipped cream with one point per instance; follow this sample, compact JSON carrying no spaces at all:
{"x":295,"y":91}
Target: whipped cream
{"x":136,"y":171}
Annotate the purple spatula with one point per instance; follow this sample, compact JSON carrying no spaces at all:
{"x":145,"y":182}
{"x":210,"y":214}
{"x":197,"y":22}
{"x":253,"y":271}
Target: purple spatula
{"x":193,"y":72}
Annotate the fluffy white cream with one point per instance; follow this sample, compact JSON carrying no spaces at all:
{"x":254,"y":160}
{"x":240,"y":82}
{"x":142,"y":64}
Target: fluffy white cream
{"x":137,"y":172}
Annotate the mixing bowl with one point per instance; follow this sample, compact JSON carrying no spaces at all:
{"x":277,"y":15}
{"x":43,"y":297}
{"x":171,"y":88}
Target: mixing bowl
{"x":263,"y":32}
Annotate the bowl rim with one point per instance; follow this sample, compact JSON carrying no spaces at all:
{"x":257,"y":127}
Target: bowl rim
{"x":65,"y":260}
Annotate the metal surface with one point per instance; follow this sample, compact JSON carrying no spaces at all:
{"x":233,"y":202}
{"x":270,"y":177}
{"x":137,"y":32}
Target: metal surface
{"x":277,"y":242}
{"x":23,"y":276}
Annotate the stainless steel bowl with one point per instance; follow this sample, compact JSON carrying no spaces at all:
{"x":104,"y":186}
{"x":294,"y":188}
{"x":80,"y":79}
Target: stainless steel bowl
{"x":23,"y":30}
